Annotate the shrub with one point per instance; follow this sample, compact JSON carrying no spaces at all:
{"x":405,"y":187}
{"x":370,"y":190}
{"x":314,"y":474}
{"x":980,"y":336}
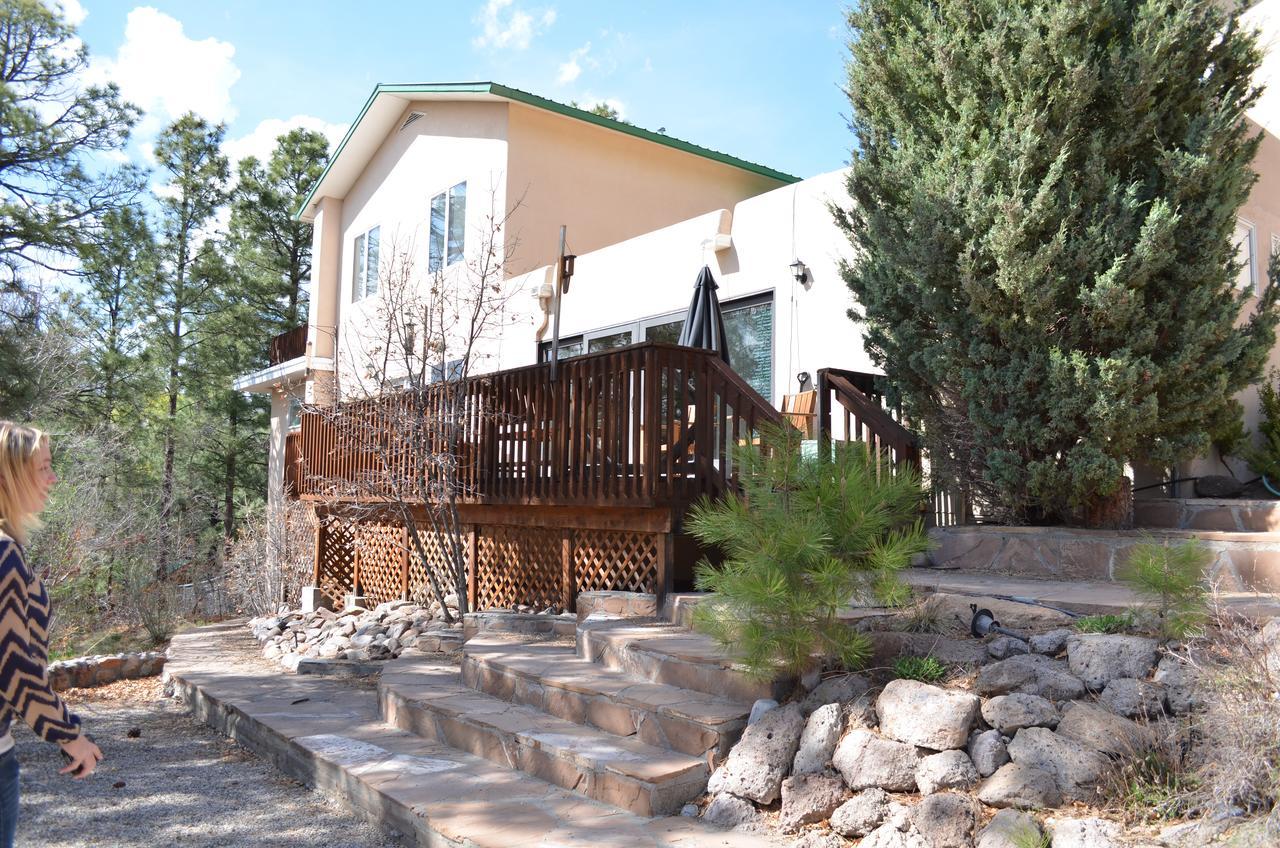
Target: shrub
{"x":1265,"y":459}
{"x":923,"y":616}
{"x":1102,"y":623}
{"x":1046,"y":300}
{"x":270,"y":560}
{"x":152,"y":603}
{"x":805,"y":536}
{"x":926,"y":669}
{"x":1172,"y":577}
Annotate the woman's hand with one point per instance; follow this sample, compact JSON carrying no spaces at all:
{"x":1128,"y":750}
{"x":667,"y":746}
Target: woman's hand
{"x":84,"y":757}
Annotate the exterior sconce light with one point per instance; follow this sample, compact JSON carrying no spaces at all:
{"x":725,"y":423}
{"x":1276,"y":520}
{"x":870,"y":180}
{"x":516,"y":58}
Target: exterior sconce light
{"x":801,"y":273}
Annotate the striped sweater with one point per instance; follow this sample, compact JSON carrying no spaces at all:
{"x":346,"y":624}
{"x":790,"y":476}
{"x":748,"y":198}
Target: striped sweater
{"x":24,"y":651}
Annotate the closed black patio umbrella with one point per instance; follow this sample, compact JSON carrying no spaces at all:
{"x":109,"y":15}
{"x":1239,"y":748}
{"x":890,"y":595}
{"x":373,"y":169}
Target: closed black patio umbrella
{"x":704,"y":323}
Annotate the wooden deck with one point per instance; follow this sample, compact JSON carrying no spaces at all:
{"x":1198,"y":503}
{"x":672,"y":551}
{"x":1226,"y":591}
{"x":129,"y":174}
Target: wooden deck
{"x":563,"y":486}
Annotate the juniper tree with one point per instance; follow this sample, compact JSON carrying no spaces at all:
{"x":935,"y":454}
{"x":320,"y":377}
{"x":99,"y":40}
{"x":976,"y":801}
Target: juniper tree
{"x":1043,"y":201}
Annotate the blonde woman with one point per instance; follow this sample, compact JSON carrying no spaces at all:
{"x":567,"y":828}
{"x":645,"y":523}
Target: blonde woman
{"x":26,"y":474}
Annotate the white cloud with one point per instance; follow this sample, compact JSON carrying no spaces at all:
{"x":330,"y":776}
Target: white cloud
{"x":72,"y":12}
{"x":589,"y":101}
{"x":167,"y":74}
{"x":504,"y":25}
{"x":572,"y":69}
{"x":261,"y":140}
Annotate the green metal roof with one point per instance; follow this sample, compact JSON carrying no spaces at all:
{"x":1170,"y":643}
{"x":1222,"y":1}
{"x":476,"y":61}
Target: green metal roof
{"x":518,"y":96}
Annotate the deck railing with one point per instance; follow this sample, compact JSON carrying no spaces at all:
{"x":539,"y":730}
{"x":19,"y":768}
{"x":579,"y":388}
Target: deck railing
{"x":647,"y":425}
{"x":288,"y":345}
{"x":864,"y":416}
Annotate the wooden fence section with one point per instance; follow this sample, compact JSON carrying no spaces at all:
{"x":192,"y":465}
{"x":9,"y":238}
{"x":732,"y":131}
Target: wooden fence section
{"x":507,"y":564}
{"x":647,"y":425}
{"x":865,"y":417}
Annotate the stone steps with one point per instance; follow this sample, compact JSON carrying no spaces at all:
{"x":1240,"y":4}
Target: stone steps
{"x":1234,"y":515}
{"x":433,"y":702}
{"x":659,"y":652}
{"x":328,"y":736}
{"x":552,"y":678}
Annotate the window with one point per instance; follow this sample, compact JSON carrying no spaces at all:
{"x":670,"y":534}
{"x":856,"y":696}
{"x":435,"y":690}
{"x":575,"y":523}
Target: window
{"x":448,"y":228}
{"x":1246,"y":254}
{"x":748,"y":328}
{"x":453,"y":367}
{"x":294,"y":417}
{"x":364,"y":273}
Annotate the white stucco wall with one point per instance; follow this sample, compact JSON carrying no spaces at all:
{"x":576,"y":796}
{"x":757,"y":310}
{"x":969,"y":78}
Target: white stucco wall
{"x":654,"y":274}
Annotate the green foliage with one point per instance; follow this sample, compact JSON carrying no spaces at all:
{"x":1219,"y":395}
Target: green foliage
{"x":1265,"y":459}
{"x":1171,"y":575}
{"x":1030,"y":836}
{"x":1155,"y":785}
{"x":1103,"y":623}
{"x":603,"y":109}
{"x":1043,"y":201}
{"x":805,"y":537}
{"x":927,"y":669}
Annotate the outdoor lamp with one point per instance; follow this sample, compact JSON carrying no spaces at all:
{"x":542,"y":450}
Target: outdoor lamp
{"x":800,"y":272}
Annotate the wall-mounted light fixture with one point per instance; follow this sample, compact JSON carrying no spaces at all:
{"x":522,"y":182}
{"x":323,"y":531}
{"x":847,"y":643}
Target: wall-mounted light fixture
{"x":801,"y":273}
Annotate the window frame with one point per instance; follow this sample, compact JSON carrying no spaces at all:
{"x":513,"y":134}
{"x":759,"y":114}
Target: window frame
{"x":1251,"y":284}
{"x":447,"y":197}
{"x":360,"y":278}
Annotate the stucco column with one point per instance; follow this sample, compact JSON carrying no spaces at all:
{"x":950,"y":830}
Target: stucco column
{"x":325,"y":291}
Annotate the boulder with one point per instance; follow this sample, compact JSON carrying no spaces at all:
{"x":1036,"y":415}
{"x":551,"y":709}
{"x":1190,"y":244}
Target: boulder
{"x":755,"y":767}
{"x":1099,"y":658}
{"x":1076,"y":769}
{"x":819,"y":839}
{"x":946,"y":820}
{"x":987,"y":751}
{"x":866,"y":760}
{"x":945,"y":770}
{"x":1052,"y":643}
{"x":861,"y":712}
{"x":1003,"y":647}
{"x":1133,"y":698}
{"x":895,"y":834}
{"x":808,"y":798}
{"x":1020,"y":786}
{"x":759,"y":708}
{"x":861,"y":814}
{"x":1032,"y":674}
{"x":925,"y":715}
{"x":1085,"y":833}
{"x":729,"y":811}
{"x":818,"y":741}
{"x":1218,"y":486}
{"x":1010,"y":713}
{"x":1179,"y":684}
{"x":833,"y":690}
{"x":1010,"y":829}
{"x":1101,"y":730}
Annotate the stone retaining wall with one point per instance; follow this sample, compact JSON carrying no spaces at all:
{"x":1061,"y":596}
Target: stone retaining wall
{"x":1242,"y":561}
{"x":84,"y":672}
{"x":1222,"y":515}
{"x":621,"y":604}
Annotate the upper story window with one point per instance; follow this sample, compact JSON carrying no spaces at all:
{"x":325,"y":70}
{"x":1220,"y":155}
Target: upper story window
{"x":448,"y":227}
{"x":364,"y":273}
{"x":1246,"y":254}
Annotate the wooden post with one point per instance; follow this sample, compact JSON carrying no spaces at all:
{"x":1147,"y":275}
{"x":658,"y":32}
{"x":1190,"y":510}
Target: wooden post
{"x":404,"y":564}
{"x":824,"y":412}
{"x":355,"y":561}
{"x":568,"y":589}
{"x":666,"y":569}
{"x":473,"y":565}
{"x":319,"y":548}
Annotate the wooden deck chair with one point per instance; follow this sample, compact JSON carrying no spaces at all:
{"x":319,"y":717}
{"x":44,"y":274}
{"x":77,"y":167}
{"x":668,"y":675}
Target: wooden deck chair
{"x":801,"y":411}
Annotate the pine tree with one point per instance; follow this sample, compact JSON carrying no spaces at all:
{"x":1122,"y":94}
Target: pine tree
{"x":269,"y":245}
{"x":1043,"y":202}
{"x":805,"y":538}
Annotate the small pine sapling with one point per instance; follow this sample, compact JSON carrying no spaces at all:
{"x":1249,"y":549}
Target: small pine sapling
{"x":805,"y":537}
{"x":1171,"y":575}
{"x":1265,"y":458}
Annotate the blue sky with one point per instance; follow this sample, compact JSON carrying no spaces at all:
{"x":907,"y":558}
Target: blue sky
{"x":760,"y":80}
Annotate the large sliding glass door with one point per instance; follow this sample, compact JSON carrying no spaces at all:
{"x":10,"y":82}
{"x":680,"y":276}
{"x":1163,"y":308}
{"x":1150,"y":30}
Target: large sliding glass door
{"x":748,"y":327}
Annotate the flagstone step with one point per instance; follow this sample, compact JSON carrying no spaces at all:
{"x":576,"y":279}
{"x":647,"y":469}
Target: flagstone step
{"x":552,"y":678}
{"x":660,"y":652}
{"x":327,"y":735}
{"x":432,"y":701}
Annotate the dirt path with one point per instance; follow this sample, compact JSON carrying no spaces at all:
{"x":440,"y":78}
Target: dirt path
{"x":177,"y":783}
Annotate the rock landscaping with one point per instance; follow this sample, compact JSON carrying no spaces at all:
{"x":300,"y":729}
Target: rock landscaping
{"x":356,"y":635}
{"x":963,"y":764}
{"x":86,"y":672}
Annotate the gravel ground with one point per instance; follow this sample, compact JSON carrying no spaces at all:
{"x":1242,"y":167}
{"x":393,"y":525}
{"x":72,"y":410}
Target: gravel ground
{"x":178,"y":783}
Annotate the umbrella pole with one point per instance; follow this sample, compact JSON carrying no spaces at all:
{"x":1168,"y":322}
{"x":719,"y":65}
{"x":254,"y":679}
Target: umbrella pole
{"x":555,"y":295}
